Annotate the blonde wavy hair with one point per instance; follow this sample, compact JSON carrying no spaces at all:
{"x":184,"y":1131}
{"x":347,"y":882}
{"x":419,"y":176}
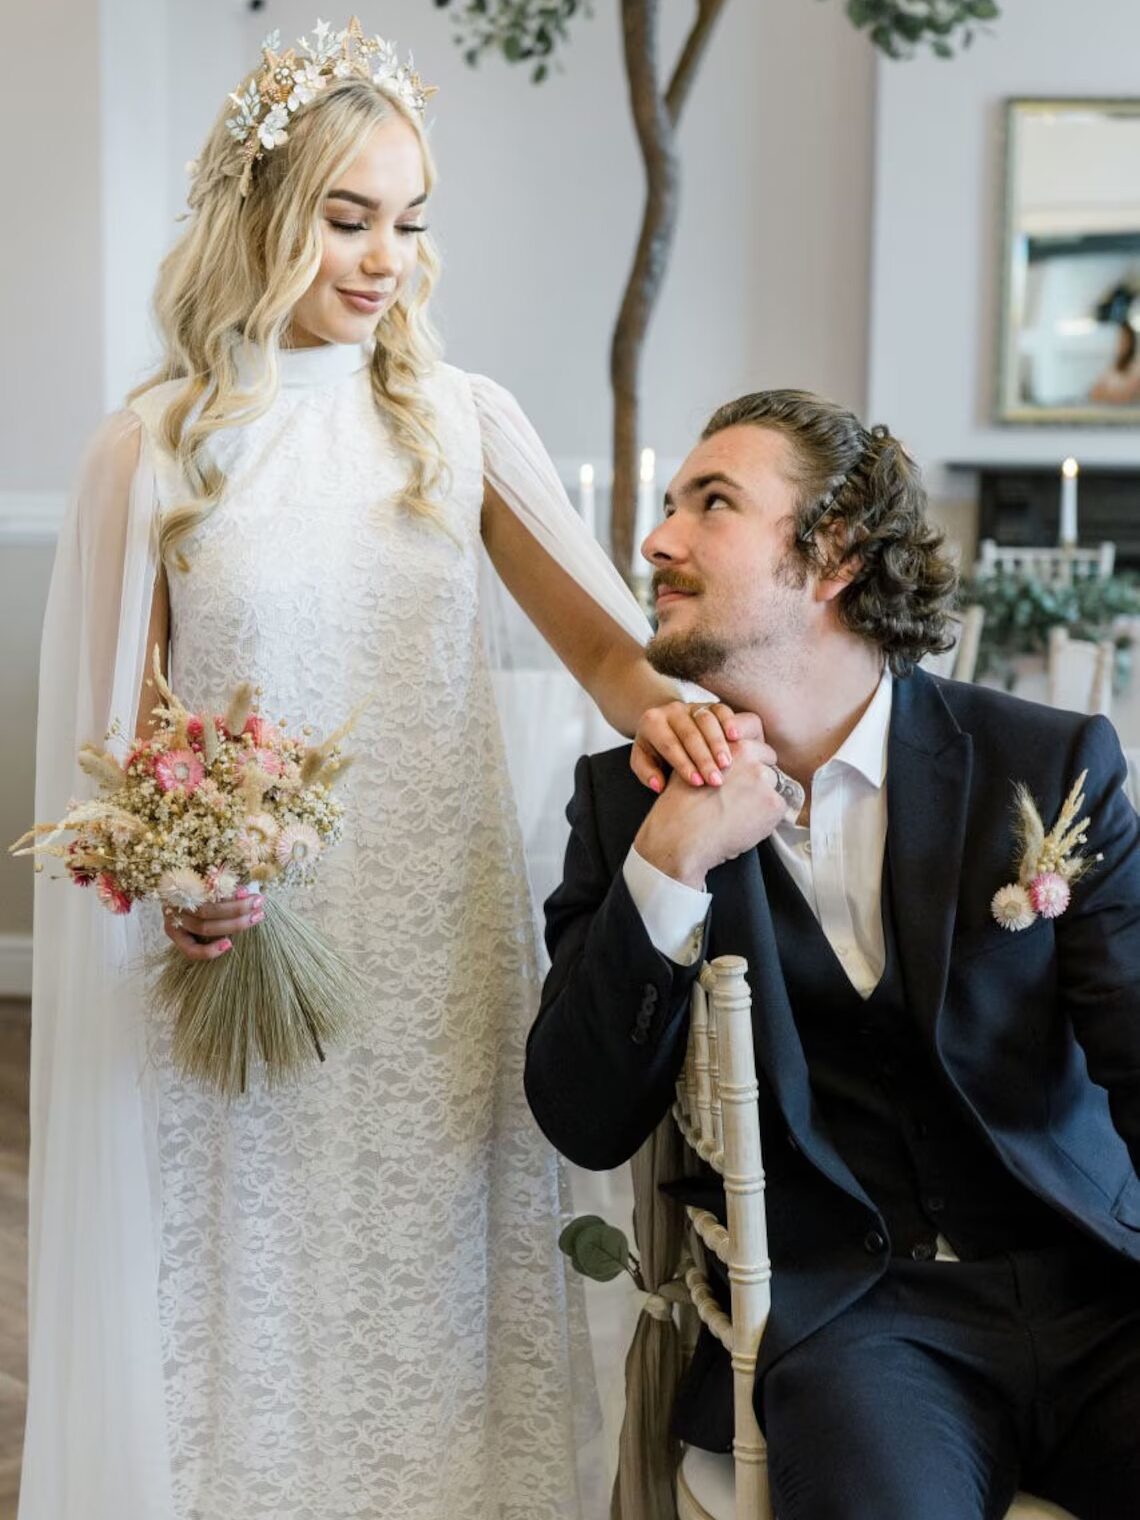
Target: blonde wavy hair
{"x":238,"y":271}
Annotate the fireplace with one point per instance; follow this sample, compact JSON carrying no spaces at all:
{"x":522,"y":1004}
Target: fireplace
{"x":1020,"y":505}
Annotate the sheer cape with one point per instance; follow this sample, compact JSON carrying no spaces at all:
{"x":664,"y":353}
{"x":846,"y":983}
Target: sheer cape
{"x":95,"y":1355}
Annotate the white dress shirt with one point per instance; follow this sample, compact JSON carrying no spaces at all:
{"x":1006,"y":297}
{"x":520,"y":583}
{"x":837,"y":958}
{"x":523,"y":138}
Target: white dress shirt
{"x":836,"y":860}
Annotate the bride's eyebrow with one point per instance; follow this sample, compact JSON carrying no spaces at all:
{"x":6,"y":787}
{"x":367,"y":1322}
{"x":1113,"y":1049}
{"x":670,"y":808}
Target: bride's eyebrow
{"x":367,"y":202}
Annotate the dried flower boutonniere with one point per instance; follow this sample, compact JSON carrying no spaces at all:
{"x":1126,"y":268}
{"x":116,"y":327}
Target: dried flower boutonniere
{"x":1049,"y":862}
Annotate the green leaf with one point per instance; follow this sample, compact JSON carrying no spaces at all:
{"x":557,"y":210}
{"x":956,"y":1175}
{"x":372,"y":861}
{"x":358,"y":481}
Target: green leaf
{"x":574,"y":1228}
{"x":596,"y":1249}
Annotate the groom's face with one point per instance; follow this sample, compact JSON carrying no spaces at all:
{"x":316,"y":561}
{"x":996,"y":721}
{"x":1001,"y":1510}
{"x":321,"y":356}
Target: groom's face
{"x":731,"y":592}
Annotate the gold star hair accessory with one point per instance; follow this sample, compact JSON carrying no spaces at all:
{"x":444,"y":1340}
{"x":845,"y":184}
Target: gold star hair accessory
{"x":289,"y":79}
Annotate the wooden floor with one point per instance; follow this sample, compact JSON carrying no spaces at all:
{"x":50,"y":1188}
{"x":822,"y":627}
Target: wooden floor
{"x":14,"y":1028}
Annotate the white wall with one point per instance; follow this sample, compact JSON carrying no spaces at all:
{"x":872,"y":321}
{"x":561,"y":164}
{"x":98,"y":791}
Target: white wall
{"x":51,"y":314}
{"x":937,"y":228}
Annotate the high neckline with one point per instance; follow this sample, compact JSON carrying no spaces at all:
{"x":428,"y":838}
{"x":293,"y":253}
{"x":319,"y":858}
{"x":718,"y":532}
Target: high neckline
{"x":324,"y":364}
{"x":303,"y":368}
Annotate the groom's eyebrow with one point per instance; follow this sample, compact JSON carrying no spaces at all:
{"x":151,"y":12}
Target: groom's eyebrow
{"x":702,"y":482}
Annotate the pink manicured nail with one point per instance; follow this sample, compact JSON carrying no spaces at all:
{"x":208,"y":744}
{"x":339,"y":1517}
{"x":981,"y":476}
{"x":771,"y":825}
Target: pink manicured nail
{"x":227,"y":944}
{"x":733,"y":734}
{"x":715,"y":778}
{"x":257,"y":917}
{"x":242,"y":892}
{"x":697,"y":779}
{"x":724,"y":759}
{"x":655,"y":783}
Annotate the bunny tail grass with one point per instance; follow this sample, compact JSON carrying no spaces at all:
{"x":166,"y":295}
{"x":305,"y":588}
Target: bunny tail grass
{"x":272,"y":1003}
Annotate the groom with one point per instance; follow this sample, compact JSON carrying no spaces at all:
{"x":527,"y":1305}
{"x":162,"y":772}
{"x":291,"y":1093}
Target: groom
{"x":948,"y":1059}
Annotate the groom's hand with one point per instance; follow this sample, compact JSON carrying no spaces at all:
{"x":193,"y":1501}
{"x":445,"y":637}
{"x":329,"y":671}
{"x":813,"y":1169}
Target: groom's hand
{"x":690,"y":830}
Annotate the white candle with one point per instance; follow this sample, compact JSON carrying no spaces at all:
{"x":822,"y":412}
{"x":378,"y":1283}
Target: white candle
{"x":646,"y":499}
{"x":1068,"y":534}
{"x":586,"y":502}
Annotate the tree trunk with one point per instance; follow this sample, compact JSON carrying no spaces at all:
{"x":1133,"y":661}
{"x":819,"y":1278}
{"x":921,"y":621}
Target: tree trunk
{"x":655,"y":116}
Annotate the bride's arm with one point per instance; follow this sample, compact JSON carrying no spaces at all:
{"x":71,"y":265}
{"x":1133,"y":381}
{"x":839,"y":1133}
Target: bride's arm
{"x":604,"y":657}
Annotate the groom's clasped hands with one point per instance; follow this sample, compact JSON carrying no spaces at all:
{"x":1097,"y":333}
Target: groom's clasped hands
{"x":695,"y":826}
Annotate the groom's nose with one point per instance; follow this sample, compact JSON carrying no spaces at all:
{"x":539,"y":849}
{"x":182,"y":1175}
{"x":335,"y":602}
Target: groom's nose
{"x":663,"y":545}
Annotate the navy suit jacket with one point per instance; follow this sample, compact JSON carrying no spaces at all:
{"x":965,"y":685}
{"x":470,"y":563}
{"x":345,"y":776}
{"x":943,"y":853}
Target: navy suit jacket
{"x":1038,"y":1031}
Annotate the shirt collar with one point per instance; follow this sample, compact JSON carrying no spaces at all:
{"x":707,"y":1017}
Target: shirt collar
{"x":865,"y":747}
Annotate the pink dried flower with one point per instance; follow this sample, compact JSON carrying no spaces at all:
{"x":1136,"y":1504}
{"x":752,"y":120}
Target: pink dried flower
{"x":261,"y":731}
{"x":179,"y":770}
{"x":195,"y":725}
{"x":1049,"y":894}
{"x":80,"y":874}
{"x":111,"y":894}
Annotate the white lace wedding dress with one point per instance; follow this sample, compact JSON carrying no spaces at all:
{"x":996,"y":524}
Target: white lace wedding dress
{"x":361,"y":1308}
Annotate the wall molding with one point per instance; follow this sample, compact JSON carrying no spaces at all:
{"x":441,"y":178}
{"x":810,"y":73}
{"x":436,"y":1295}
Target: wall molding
{"x":31,"y":517}
{"x":15,"y":965}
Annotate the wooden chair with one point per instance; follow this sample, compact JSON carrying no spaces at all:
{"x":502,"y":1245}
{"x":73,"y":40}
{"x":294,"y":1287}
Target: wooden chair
{"x":1055,"y":566}
{"x":960,"y":660}
{"x":718,"y":1116}
{"x":1079,"y":673}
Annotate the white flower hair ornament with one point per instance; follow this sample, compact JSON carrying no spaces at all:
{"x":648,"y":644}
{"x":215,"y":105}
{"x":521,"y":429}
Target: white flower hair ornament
{"x":290,"y":79}
{"x":1049,"y":864}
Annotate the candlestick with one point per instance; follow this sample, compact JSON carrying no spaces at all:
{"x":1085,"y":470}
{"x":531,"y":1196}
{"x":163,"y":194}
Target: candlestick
{"x":646,"y":498}
{"x":1068,"y":533}
{"x":586,"y":501}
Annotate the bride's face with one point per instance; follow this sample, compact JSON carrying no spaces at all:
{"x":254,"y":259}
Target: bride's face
{"x":371,"y":222}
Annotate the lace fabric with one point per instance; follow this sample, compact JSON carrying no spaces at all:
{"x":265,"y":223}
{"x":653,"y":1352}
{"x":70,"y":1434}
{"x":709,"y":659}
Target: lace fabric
{"x":350,"y":1297}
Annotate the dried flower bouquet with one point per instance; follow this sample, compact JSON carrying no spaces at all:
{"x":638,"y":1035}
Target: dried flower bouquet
{"x":204,"y":805}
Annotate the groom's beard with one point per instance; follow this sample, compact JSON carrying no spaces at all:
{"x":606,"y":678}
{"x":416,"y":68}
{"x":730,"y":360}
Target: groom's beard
{"x":692,"y":656}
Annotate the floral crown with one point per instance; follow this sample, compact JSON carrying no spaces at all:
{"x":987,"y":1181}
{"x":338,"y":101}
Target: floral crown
{"x":288,"y":80}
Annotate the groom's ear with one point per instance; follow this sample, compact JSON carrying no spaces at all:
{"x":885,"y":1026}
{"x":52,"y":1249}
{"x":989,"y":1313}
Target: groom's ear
{"x":842,"y":562}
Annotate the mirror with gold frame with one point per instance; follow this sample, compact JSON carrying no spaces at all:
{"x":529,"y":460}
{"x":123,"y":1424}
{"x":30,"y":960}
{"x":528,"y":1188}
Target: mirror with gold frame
{"x":1070,"y":312}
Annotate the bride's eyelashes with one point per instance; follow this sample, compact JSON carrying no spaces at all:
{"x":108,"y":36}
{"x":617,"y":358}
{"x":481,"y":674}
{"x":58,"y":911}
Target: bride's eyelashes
{"x":363,"y":226}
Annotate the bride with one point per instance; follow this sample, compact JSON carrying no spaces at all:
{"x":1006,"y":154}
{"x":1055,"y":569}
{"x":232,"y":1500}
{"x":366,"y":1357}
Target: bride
{"x":342,"y":1299}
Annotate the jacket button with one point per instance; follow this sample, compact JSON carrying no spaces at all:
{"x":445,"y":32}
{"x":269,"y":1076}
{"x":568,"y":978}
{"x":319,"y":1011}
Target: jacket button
{"x":923,"y":1251}
{"x":639,"y":1034}
{"x":649,"y":994}
{"x":874,"y":1242}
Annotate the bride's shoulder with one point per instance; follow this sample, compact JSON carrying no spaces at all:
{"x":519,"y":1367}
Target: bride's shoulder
{"x":150,"y":406}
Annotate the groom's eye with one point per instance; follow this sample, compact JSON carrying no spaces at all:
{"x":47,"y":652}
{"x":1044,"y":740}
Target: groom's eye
{"x":715,"y":500}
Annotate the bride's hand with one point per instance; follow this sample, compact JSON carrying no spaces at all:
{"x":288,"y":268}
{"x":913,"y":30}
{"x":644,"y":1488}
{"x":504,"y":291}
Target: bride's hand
{"x":692,"y":738}
{"x":204,"y":935}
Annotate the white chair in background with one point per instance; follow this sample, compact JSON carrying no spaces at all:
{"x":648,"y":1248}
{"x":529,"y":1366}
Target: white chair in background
{"x":961,"y":659}
{"x":718,"y":1115}
{"x":1079,"y":673}
{"x":1054,"y":566}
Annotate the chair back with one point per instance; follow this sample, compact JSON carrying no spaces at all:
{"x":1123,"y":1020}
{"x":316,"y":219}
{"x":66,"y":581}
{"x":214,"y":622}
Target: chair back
{"x":961,"y":659}
{"x":1057,"y":566}
{"x":717,"y":1112}
{"x":1079,"y":673}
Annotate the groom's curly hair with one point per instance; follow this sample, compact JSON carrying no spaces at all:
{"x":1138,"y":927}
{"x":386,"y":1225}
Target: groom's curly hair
{"x":861,"y":501}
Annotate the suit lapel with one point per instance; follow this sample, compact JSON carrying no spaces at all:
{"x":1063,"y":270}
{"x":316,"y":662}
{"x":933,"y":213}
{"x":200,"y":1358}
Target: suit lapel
{"x":929,"y":762}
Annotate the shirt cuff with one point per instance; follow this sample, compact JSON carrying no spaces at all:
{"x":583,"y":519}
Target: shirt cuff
{"x":673,"y":914}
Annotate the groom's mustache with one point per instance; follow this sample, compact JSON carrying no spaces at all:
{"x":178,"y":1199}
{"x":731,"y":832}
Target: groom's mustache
{"x":674,"y":580}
